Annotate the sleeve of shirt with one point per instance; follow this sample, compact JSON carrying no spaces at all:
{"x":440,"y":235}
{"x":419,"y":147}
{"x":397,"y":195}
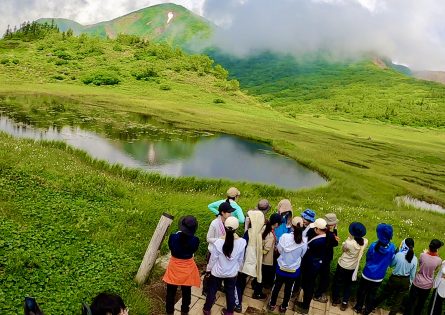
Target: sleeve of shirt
{"x":241,"y":256}
{"x":214,"y":207}
{"x":239,"y":213}
{"x":412,"y":272}
{"x":267,"y":244}
{"x":394,"y":261}
{"x":213,"y":258}
{"x":195,"y":244}
{"x":211,"y":235}
{"x":280,"y":246}
{"x":170,"y":241}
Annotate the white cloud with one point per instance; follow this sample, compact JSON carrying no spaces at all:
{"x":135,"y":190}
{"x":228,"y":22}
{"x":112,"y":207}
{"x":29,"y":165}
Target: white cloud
{"x":410,"y":31}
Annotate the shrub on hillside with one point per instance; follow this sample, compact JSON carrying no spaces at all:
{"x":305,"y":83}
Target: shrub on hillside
{"x":146,"y":74}
{"x":101,"y":77}
{"x":165,"y":87}
{"x":4,"y":61}
{"x":218,"y":101}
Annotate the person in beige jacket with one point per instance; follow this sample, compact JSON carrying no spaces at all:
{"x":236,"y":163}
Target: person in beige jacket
{"x":348,"y":264}
{"x":269,"y":246}
{"x":254,"y":253}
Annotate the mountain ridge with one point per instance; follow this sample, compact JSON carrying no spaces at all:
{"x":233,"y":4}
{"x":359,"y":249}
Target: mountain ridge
{"x":168,"y":22}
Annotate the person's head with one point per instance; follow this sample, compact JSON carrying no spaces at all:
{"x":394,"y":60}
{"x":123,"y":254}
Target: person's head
{"x":308,"y":217}
{"x":435,"y":244}
{"x":263,"y":205}
{"x":106,"y":304}
{"x":188,"y":225}
{"x":319,"y":226}
{"x":231,"y":224}
{"x":409,"y":242}
{"x":297,"y":229}
{"x":274,"y":221}
{"x":233,"y":193}
{"x":225,"y":210}
{"x":31,"y":307}
{"x":357,"y":230}
{"x":384,"y":235}
{"x":331,"y":220}
{"x":284,"y":207}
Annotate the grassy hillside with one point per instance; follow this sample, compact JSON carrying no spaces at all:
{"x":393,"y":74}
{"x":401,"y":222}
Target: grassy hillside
{"x":72,"y":227}
{"x":357,"y":90}
{"x":149,"y":23}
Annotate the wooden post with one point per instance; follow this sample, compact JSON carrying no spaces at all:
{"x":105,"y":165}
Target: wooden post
{"x":152,"y":250}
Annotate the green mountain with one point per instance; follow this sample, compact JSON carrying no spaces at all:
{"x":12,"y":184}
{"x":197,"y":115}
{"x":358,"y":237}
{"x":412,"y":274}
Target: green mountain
{"x":165,"y":22}
{"x":367,"y":88}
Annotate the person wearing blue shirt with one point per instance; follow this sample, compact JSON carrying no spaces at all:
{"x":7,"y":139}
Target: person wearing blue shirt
{"x":404,"y":266}
{"x":232,"y":196}
{"x":378,"y":259}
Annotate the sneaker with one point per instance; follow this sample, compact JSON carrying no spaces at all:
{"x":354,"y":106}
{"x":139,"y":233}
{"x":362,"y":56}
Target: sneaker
{"x":282,"y":309}
{"x":271,"y":307}
{"x":260,"y":296}
{"x":321,"y":299}
{"x":343,"y":306}
{"x":336,"y":302}
{"x":238,"y":309}
{"x":356,"y":310}
{"x":300,"y":309}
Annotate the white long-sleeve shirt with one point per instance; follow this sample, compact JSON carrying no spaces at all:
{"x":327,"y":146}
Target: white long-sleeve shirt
{"x":222,"y":267}
{"x":215,"y":232}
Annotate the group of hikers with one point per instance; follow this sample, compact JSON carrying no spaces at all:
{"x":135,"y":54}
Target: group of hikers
{"x":297,"y":251}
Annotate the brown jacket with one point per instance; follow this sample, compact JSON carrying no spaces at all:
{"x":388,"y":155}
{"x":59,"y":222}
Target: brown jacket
{"x":268,"y":249}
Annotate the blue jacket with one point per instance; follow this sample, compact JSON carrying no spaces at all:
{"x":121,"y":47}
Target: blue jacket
{"x":378,"y":261}
{"x":283,"y":228}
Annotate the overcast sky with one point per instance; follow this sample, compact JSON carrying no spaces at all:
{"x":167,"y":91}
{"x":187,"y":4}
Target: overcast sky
{"x":410,"y":32}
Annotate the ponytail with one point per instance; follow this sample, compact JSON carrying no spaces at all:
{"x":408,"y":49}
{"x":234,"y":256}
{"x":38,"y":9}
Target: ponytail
{"x":229,"y":242}
{"x":298,"y":233}
{"x":230,"y":198}
{"x":378,"y":245}
{"x":409,"y":242}
{"x":359,"y":240}
{"x":267,"y":229}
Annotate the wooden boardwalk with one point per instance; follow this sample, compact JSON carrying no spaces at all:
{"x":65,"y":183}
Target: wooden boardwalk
{"x":252,"y":306}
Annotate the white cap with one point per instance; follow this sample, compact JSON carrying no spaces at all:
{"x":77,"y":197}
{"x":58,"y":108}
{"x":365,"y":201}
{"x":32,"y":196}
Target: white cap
{"x":319,"y":224}
{"x":231,"y":222}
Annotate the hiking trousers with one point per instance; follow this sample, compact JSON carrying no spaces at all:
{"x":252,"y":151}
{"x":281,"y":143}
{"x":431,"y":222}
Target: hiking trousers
{"x":170,"y":299}
{"x":342,"y":282}
{"x":366,"y":295}
{"x":394,"y":291}
{"x":213,"y":285}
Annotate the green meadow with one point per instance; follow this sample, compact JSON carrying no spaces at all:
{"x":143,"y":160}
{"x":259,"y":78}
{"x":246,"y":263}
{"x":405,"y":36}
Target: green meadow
{"x":72,"y":226}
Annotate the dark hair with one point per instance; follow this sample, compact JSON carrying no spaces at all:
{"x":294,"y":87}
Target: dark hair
{"x":410,"y":254}
{"x":184,"y":240}
{"x":378,"y":245}
{"x":267,"y":229}
{"x":106,"y":304}
{"x":359,"y":240}
{"x":229,"y":242}
{"x":31,"y":307}
{"x":298,"y":233}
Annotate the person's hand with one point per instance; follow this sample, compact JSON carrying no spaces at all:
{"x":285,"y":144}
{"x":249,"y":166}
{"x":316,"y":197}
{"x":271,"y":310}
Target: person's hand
{"x":337,"y":238}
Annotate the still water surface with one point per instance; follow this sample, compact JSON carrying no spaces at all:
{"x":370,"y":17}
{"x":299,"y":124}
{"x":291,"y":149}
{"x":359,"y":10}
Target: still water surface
{"x":218,"y":156}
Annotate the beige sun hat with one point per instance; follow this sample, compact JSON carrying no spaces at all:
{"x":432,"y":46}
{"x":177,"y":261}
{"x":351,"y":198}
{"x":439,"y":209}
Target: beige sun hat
{"x":331,"y":219}
{"x":297,"y":221}
{"x":284,"y":206}
{"x":233,"y":192}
